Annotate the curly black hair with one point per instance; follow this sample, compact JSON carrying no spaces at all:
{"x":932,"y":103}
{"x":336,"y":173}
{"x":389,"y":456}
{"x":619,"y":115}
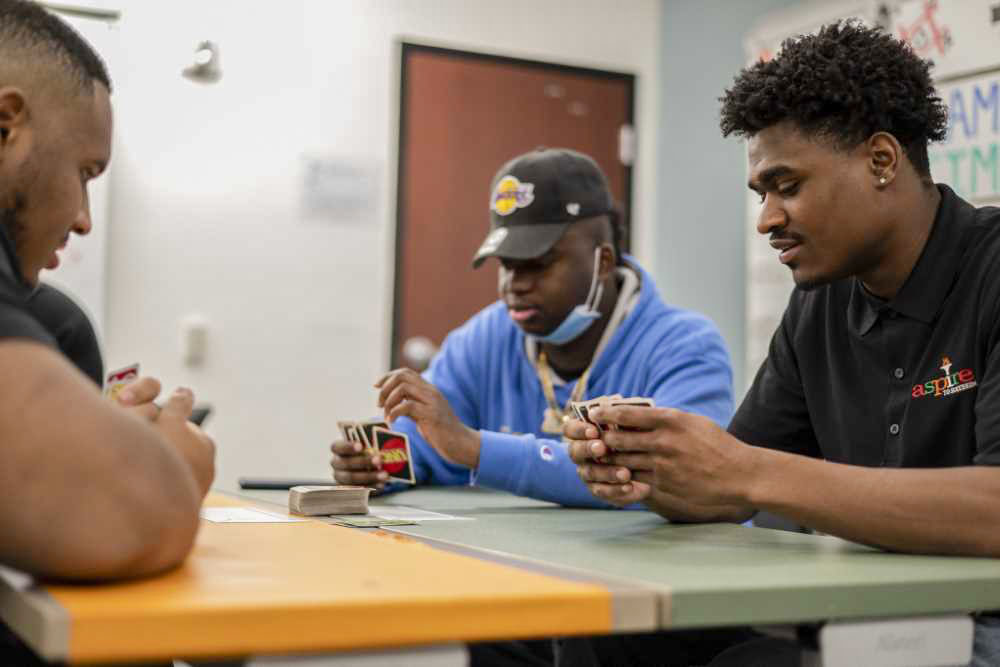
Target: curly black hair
{"x":28,"y":31}
{"x":844,"y":83}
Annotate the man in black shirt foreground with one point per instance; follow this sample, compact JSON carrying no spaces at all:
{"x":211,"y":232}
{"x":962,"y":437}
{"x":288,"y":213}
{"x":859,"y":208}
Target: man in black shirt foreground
{"x":91,"y":490}
{"x":70,"y":326}
{"x":876,"y":416}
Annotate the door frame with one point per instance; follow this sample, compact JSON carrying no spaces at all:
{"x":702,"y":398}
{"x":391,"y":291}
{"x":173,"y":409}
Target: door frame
{"x":409,"y":48}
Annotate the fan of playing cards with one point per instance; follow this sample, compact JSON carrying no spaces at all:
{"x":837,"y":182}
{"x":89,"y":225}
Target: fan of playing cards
{"x":581,"y":409}
{"x":392,"y":447}
{"x":118,"y":379}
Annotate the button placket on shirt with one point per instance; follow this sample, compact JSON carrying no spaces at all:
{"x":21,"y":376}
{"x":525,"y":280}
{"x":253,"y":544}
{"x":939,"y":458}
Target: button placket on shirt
{"x":898,"y":389}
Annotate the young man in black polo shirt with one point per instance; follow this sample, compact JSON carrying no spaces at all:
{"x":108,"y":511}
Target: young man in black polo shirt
{"x":876,"y":416}
{"x":90,"y":490}
{"x":70,"y":326}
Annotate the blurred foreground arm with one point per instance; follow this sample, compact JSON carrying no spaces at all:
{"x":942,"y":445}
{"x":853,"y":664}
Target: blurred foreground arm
{"x":92,"y":491}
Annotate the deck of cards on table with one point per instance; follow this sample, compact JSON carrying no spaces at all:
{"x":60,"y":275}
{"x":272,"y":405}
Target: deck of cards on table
{"x":582,"y":408}
{"x":324,"y":500}
{"x":118,"y":379}
{"x":392,"y":447}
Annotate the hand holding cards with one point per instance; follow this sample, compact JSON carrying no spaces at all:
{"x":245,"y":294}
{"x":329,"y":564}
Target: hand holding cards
{"x":391,"y":447}
{"x":117,"y":380}
{"x":581,"y":409}
{"x":611,"y":471}
{"x":170,"y":418}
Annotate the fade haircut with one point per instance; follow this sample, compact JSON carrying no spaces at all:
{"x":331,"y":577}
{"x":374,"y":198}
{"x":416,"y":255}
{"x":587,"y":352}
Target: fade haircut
{"x":843,"y":84}
{"x":607,"y":228}
{"x":615,"y":221}
{"x":31,"y":38}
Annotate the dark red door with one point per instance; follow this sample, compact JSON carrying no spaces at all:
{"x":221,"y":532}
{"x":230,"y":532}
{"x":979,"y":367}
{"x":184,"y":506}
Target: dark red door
{"x":462,"y":116}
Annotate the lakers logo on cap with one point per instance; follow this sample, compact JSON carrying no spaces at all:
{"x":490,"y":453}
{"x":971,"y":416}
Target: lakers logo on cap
{"x":511,"y":194}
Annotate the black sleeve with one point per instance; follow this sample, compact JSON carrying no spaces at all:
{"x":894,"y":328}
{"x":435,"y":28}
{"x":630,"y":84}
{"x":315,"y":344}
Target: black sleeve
{"x":774,"y":413}
{"x":71,"y":328}
{"x":17,"y":322}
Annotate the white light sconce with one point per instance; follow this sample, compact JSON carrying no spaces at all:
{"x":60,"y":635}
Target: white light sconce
{"x":206,"y":68}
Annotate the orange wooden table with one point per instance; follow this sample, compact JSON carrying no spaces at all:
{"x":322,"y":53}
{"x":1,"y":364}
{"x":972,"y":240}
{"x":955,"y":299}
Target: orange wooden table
{"x":275,"y":588}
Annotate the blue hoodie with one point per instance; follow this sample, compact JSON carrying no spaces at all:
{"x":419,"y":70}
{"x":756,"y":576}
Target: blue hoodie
{"x":674,"y":356}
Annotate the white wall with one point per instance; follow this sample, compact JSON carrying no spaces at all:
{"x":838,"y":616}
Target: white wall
{"x":701,"y":185}
{"x":205,"y":194}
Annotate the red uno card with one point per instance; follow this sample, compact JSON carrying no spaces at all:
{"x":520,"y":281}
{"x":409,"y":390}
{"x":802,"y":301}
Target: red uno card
{"x":394,"y":448}
{"x":117,"y":380}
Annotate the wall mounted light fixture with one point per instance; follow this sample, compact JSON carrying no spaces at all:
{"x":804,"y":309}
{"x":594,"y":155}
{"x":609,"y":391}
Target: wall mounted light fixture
{"x":206,"y":68}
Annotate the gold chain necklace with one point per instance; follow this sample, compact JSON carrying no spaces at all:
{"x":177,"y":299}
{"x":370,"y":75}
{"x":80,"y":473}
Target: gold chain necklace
{"x":555,"y":416}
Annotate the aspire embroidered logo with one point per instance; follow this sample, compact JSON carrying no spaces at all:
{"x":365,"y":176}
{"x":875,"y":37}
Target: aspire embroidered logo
{"x":949,"y":383}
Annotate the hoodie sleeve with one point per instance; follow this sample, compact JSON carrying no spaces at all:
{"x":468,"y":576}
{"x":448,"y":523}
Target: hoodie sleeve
{"x":534,"y":467}
{"x":456,"y":372}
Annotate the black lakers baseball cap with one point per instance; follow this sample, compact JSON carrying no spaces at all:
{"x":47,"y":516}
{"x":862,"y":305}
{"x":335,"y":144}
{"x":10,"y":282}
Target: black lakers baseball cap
{"x":536,"y":196}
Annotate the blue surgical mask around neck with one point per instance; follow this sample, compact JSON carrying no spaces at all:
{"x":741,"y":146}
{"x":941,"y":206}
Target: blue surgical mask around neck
{"x":583,"y":316}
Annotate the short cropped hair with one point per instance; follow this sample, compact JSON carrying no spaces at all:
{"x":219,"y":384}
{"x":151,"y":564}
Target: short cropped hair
{"x":844,"y":83}
{"x":29,"y":33}
{"x":615,"y":220}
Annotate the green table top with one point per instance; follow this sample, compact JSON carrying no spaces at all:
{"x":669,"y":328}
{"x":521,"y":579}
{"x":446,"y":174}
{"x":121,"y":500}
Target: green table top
{"x":710,"y":574}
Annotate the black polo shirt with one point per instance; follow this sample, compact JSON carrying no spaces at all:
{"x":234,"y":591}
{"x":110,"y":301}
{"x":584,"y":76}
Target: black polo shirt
{"x":69,"y":325}
{"x":16,"y":320}
{"x":912,"y":382}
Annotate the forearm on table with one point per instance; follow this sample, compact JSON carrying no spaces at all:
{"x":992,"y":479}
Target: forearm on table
{"x":927,"y":510}
{"x":135,"y":515}
{"x":92,"y":492}
{"x":679,"y":510}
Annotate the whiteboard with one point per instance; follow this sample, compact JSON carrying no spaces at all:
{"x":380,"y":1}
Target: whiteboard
{"x":82,"y":272}
{"x":962,"y":38}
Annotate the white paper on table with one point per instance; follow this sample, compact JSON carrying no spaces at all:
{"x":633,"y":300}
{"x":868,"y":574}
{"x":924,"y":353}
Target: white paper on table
{"x":412,"y":514}
{"x":243,"y":515}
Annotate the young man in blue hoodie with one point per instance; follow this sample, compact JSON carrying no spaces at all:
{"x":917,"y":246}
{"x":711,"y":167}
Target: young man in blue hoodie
{"x":576,"y":319}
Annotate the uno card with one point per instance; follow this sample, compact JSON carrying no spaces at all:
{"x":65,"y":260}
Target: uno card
{"x":635,"y":401}
{"x":365,"y":431}
{"x":394,"y":448}
{"x":583,"y":409}
{"x":352,"y":433}
{"x":344,"y":427}
{"x":599,"y":402}
{"x":372,"y":522}
{"x":118,"y":379}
